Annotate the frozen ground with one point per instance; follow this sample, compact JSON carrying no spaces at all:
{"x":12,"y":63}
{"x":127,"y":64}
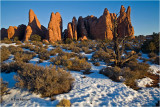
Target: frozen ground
{"x":88,"y":90}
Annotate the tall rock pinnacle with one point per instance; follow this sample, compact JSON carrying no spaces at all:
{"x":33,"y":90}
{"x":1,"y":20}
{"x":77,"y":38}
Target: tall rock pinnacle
{"x":54,"y":27}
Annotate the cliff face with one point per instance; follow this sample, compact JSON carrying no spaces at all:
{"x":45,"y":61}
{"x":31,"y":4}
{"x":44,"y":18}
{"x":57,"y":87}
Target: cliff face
{"x":100,"y":28}
{"x":54,"y":27}
{"x":88,"y":27}
{"x":34,"y":27}
{"x":124,"y":23}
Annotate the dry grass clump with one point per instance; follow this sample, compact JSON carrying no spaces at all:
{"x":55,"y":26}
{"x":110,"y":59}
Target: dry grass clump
{"x":64,"y":103}
{"x":4,"y":53}
{"x":47,"y":81}
{"x":24,"y":56}
{"x":3,"y":89}
{"x":86,"y":50}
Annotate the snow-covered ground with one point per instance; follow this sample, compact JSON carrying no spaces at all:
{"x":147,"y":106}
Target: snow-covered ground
{"x":88,"y":90}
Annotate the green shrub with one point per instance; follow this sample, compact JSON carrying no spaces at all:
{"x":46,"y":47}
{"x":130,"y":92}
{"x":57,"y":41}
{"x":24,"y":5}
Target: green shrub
{"x":35,"y":37}
{"x":4,"y":53}
{"x":64,"y":103}
{"x":47,"y":81}
{"x":3,"y":89}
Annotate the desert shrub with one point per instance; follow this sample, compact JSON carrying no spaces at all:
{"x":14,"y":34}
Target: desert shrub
{"x":156,"y":60}
{"x":151,"y":45}
{"x":112,"y":72}
{"x":11,"y":67}
{"x":86,"y":50}
{"x":64,"y":103}
{"x":47,"y":81}
{"x":4,"y":53}
{"x":37,"y":43}
{"x":55,"y":51}
{"x":40,"y":61}
{"x":68,"y":41}
{"x":96,"y":63}
{"x":35,"y":37}
{"x":76,"y":49}
{"x":45,"y":55}
{"x":101,"y":55}
{"x":152,"y":55}
{"x":24,"y":56}
{"x":15,"y":38}
{"x":3,"y":89}
{"x":78,"y":64}
{"x":18,"y":42}
{"x":14,"y":49}
{"x":26,"y":45}
{"x":6,"y":40}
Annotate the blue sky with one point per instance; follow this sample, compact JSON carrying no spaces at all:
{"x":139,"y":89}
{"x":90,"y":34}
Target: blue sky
{"x":144,"y":14}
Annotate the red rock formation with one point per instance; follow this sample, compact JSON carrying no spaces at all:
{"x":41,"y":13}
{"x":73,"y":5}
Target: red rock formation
{"x":34,"y":27}
{"x":74,"y":28}
{"x":124,"y":23}
{"x":54,"y":27}
{"x":100,"y":28}
{"x":69,"y":29}
{"x":81,"y":28}
{"x":11,"y":32}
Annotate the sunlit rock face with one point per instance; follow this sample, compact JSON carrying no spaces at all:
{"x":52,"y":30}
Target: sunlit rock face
{"x":34,"y":27}
{"x":54,"y":27}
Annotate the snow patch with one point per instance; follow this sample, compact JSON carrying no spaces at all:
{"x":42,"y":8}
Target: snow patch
{"x":143,"y":82}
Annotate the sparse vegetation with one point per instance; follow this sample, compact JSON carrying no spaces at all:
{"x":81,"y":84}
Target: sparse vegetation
{"x":47,"y":81}
{"x":3,"y":89}
{"x":4,"y":53}
{"x":35,"y":37}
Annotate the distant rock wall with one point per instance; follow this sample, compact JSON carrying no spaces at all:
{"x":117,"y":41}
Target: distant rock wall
{"x":88,"y":27}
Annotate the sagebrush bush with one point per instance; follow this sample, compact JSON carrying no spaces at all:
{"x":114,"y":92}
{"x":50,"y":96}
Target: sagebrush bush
{"x":55,"y":51}
{"x":3,"y":89}
{"x":152,"y":55}
{"x":35,"y":37}
{"x":78,"y":64}
{"x":14,"y":49}
{"x":6,"y":40}
{"x":45,"y":55}
{"x":96,"y":63}
{"x":64,"y":103}
{"x":11,"y":67}
{"x":24,"y":56}
{"x":86,"y":50}
{"x":47,"y":81}
{"x":76,"y":49}
{"x":101,"y":55}
{"x":4,"y":53}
